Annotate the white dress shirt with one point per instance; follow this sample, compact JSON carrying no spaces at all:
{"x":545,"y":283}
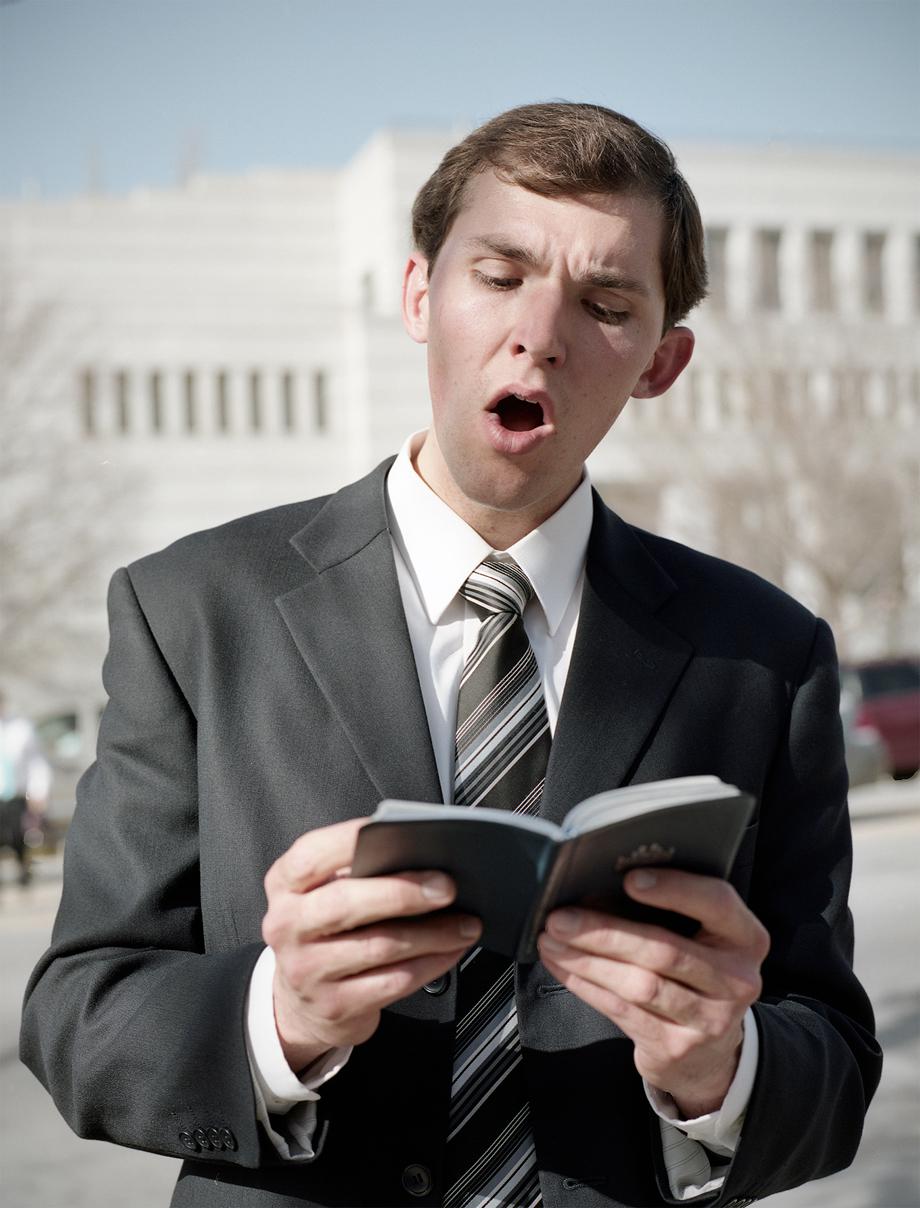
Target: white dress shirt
{"x":435,"y":551}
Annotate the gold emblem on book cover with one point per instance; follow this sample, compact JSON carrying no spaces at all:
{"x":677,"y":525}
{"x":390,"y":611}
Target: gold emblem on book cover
{"x":645,"y":853}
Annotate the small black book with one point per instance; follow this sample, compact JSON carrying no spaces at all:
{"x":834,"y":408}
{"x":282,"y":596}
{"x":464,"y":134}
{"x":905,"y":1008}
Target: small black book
{"x":512,"y":869}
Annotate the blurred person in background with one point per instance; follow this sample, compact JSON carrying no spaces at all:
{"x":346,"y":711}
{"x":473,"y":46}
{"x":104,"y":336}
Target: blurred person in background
{"x":25,"y":785}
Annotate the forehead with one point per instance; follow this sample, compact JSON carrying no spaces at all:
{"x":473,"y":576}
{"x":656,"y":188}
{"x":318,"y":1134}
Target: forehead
{"x":592,"y":229}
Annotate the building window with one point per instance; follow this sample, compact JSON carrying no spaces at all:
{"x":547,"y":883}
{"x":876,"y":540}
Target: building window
{"x":156,"y":401}
{"x":189,"y":401}
{"x":693,"y":391}
{"x":368,"y":290}
{"x":890,"y":392}
{"x":725,"y":396}
{"x":779,"y":403}
{"x":88,"y":402}
{"x":768,"y":285}
{"x":255,"y":401}
{"x":853,"y":394}
{"x":222,"y":399}
{"x":320,"y":416}
{"x":122,"y":402}
{"x":822,"y":271}
{"x":716,"y":247}
{"x":288,"y":402}
{"x":873,"y":273}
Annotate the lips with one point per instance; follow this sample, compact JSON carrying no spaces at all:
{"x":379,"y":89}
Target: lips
{"x":521,"y":410}
{"x":518,"y":420}
{"x":519,"y":414}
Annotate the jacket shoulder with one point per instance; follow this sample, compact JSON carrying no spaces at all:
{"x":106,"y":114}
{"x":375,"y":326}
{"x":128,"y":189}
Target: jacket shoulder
{"x":252,"y":552}
{"x":695,"y":571}
{"x":729,"y":611}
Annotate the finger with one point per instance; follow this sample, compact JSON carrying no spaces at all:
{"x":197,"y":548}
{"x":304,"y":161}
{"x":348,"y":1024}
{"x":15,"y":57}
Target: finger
{"x":641,"y":1026}
{"x":348,"y":903}
{"x":348,"y":1011}
{"x":644,"y":989}
{"x":315,"y":857}
{"x":716,"y":970}
{"x":667,"y":1038}
{"x":382,"y":986}
{"x":712,"y":901}
{"x":376,"y":947}
{"x":653,"y":948}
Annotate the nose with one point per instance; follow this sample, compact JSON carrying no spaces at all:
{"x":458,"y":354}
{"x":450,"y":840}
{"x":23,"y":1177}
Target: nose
{"x":539,"y":329}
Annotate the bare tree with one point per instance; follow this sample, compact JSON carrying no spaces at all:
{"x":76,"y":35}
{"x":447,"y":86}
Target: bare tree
{"x":818,"y":494}
{"x":57,"y":506}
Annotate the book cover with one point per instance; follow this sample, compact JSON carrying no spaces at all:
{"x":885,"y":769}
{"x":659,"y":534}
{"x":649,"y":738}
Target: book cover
{"x":512,"y":869}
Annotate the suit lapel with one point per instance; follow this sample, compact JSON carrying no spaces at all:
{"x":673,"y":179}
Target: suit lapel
{"x":348,"y":623}
{"x":625,"y":666}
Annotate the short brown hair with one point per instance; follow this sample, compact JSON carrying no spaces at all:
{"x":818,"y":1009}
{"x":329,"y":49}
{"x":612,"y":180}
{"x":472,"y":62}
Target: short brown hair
{"x":564,"y":149}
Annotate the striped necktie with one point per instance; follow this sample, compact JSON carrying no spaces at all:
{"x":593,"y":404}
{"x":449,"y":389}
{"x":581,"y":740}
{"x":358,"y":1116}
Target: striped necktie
{"x":503,"y":744}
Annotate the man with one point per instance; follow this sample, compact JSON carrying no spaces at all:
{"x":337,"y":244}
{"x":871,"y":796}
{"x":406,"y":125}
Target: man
{"x":272,"y":680}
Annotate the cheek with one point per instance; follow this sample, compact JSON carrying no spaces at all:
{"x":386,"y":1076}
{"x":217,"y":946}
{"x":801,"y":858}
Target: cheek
{"x":597,"y":415}
{"x":453,"y":372}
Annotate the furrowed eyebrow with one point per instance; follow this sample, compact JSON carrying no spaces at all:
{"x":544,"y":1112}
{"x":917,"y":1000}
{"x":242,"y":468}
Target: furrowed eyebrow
{"x":600,"y":278}
{"x":504,"y":251}
{"x":603,"y":279}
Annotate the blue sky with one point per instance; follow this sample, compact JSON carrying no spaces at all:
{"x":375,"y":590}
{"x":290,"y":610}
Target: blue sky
{"x":121,"y":91}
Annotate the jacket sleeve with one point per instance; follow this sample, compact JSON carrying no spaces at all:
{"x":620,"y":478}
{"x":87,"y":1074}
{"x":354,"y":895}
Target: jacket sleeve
{"x":135,"y":1031}
{"x":819,"y":1060}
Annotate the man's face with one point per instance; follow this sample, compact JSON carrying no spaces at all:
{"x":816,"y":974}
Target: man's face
{"x":542,"y":316}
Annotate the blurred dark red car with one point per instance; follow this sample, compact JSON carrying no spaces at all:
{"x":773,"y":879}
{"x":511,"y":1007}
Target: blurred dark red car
{"x":885,"y":694}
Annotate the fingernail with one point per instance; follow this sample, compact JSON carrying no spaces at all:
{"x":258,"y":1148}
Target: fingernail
{"x":643,"y":879}
{"x":565,"y":921}
{"x":436,"y":887}
{"x":470,"y":928}
{"x":548,"y":944}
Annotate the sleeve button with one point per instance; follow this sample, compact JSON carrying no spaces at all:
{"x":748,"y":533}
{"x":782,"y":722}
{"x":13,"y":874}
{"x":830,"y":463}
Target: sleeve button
{"x":227,"y":1138}
{"x":202,"y":1138}
{"x":215,"y":1138}
{"x":188,"y":1140}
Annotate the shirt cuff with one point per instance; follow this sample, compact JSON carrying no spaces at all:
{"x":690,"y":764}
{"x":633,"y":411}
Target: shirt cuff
{"x":691,"y":1170}
{"x":278,"y":1090}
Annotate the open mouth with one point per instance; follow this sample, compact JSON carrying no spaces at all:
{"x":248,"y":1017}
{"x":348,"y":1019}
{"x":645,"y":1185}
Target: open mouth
{"x":519,"y":414}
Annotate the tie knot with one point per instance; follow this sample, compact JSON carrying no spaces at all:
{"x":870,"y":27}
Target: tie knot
{"x":498,"y":586}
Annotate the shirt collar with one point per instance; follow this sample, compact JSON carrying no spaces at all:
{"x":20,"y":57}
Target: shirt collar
{"x":441,"y":550}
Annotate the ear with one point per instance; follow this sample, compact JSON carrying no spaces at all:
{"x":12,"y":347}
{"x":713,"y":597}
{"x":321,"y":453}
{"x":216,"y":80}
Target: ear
{"x":415,"y":298}
{"x":669,"y":360}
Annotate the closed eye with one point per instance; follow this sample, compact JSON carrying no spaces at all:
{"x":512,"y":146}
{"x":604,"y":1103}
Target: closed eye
{"x":496,"y":282}
{"x":614,"y":317}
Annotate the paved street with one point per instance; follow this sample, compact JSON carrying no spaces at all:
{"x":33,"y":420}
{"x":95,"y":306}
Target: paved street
{"x":45,"y":1166}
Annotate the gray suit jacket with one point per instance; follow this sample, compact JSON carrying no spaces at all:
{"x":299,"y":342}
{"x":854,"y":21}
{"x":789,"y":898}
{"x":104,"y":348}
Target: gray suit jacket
{"x":261,"y":683}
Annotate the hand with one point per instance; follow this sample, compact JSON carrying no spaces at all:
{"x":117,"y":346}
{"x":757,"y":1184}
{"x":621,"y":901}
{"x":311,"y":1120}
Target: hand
{"x":680,"y":1000}
{"x":344,"y":947}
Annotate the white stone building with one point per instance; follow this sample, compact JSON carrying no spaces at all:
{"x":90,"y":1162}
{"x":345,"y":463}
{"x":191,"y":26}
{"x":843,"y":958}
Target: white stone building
{"x":235,"y":342}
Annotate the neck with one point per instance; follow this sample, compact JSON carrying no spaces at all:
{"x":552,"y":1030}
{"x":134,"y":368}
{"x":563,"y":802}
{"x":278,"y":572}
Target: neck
{"x":500,"y":527}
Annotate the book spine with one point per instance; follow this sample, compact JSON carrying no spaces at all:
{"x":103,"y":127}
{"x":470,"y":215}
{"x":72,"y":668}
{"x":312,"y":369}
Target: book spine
{"x":559,"y":855}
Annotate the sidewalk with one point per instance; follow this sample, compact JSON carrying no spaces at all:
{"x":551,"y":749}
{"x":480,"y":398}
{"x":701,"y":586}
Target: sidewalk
{"x":885,"y":799}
